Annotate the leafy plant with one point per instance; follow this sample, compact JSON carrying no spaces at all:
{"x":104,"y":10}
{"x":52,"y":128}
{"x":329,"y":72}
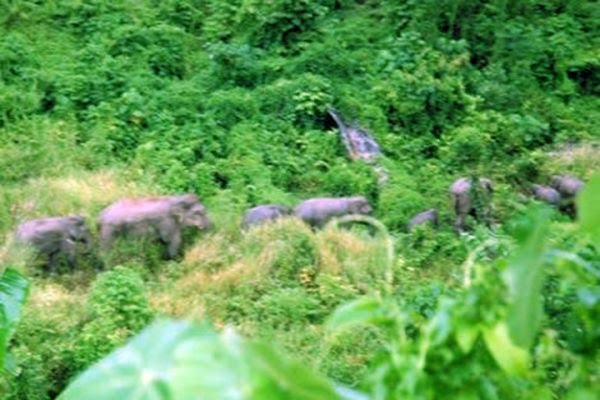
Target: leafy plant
{"x":490,"y":319}
{"x":118,"y":308}
{"x":13,"y":293}
{"x":185,"y":360}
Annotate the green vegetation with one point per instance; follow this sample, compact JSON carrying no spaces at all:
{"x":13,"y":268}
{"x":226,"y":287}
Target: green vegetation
{"x":227,"y":99}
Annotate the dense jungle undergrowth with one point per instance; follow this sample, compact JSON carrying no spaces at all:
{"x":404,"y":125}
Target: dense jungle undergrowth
{"x":102,"y":99}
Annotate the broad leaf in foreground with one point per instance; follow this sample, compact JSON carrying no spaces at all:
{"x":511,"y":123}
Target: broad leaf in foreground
{"x":588,"y":209}
{"x":13,"y":292}
{"x":360,"y":311}
{"x":524,"y":277}
{"x":184,"y":360}
{"x":512,"y":359}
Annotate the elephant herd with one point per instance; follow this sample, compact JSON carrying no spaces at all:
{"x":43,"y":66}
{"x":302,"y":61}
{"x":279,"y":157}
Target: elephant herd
{"x":160,"y":218}
{"x":163,"y":218}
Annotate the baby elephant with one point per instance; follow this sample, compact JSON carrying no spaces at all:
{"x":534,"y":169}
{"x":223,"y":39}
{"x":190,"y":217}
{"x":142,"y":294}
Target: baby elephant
{"x":56,"y":236}
{"x":263,"y":213}
{"x":161,"y":218}
{"x":429,"y":216}
{"x":462,"y":193}
{"x":318,"y":211}
{"x":546,"y":194}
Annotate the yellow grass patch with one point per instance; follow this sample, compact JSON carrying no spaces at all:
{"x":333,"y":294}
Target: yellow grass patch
{"x":218,"y":264}
{"x":82,"y":193}
{"x":584,"y":157}
{"x":50,"y":295}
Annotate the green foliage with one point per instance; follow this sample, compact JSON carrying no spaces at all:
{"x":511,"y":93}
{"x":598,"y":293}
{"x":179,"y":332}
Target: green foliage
{"x":492,"y":136}
{"x":267,"y":23}
{"x":184,"y":360}
{"x":589,"y":213}
{"x":227,"y":99}
{"x":285,"y":307}
{"x":13,"y":293}
{"x":117,"y":307}
{"x":446,"y":350}
{"x":525,"y":277}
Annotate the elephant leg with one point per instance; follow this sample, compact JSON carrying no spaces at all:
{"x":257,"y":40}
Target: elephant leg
{"x":68,"y":248}
{"x":52,"y":261}
{"x":487,"y":218}
{"x":107,"y":236}
{"x":459,"y":224}
{"x":174,"y":245}
{"x":170,"y":234}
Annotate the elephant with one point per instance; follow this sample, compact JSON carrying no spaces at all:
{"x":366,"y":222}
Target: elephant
{"x":462,"y":194}
{"x":429,"y":216}
{"x":568,"y":187}
{"x":263,"y":213}
{"x":546,"y":194}
{"x":56,"y":236}
{"x":318,"y":211}
{"x":159,"y":218}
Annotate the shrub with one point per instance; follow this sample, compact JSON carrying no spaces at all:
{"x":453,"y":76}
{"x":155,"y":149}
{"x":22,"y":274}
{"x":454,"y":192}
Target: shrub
{"x":399,"y":200}
{"x":490,"y":137}
{"x":118,"y":308}
{"x":269,"y":23}
{"x":286,"y":307}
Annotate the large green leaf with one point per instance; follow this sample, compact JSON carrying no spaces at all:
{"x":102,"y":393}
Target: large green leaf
{"x":512,"y":359}
{"x":588,"y":208}
{"x":360,"y":311}
{"x":13,"y":292}
{"x":183,"y":360}
{"x":525,"y":275}
{"x":466,"y":335}
{"x":350,"y":394}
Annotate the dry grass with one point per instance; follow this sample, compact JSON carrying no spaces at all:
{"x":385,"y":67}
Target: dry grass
{"x":96,"y":188}
{"x":340,"y":249}
{"x":54,"y":302}
{"x":580,"y":159}
{"x":219,"y":265}
{"x":50,"y":295}
{"x":83,"y":193}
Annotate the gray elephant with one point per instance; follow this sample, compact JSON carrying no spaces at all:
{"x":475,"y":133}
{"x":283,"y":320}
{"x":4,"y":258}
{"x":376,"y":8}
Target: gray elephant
{"x":54,"y":237}
{"x":159,"y":218}
{"x":468,"y":200}
{"x":318,"y":211}
{"x":430,"y":216}
{"x":568,"y":187}
{"x":263,"y":213}
{"x":546,"y":194}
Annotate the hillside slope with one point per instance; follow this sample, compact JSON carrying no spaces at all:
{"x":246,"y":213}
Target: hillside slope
{"x":228,"y":99}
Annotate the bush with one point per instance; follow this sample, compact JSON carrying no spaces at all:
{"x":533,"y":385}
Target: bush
{"x":286,"y":307}
{"x":118,"y":308}
{"x":399,"y":200}
{"x":280,"y":23}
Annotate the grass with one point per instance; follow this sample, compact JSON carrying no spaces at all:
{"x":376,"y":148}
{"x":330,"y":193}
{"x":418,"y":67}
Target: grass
{"x":277,"y":281}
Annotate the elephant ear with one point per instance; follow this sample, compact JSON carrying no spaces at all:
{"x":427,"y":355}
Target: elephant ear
{"x":78,"y":229}
{"x":180,"y":208}
{"x":80,"y":220}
